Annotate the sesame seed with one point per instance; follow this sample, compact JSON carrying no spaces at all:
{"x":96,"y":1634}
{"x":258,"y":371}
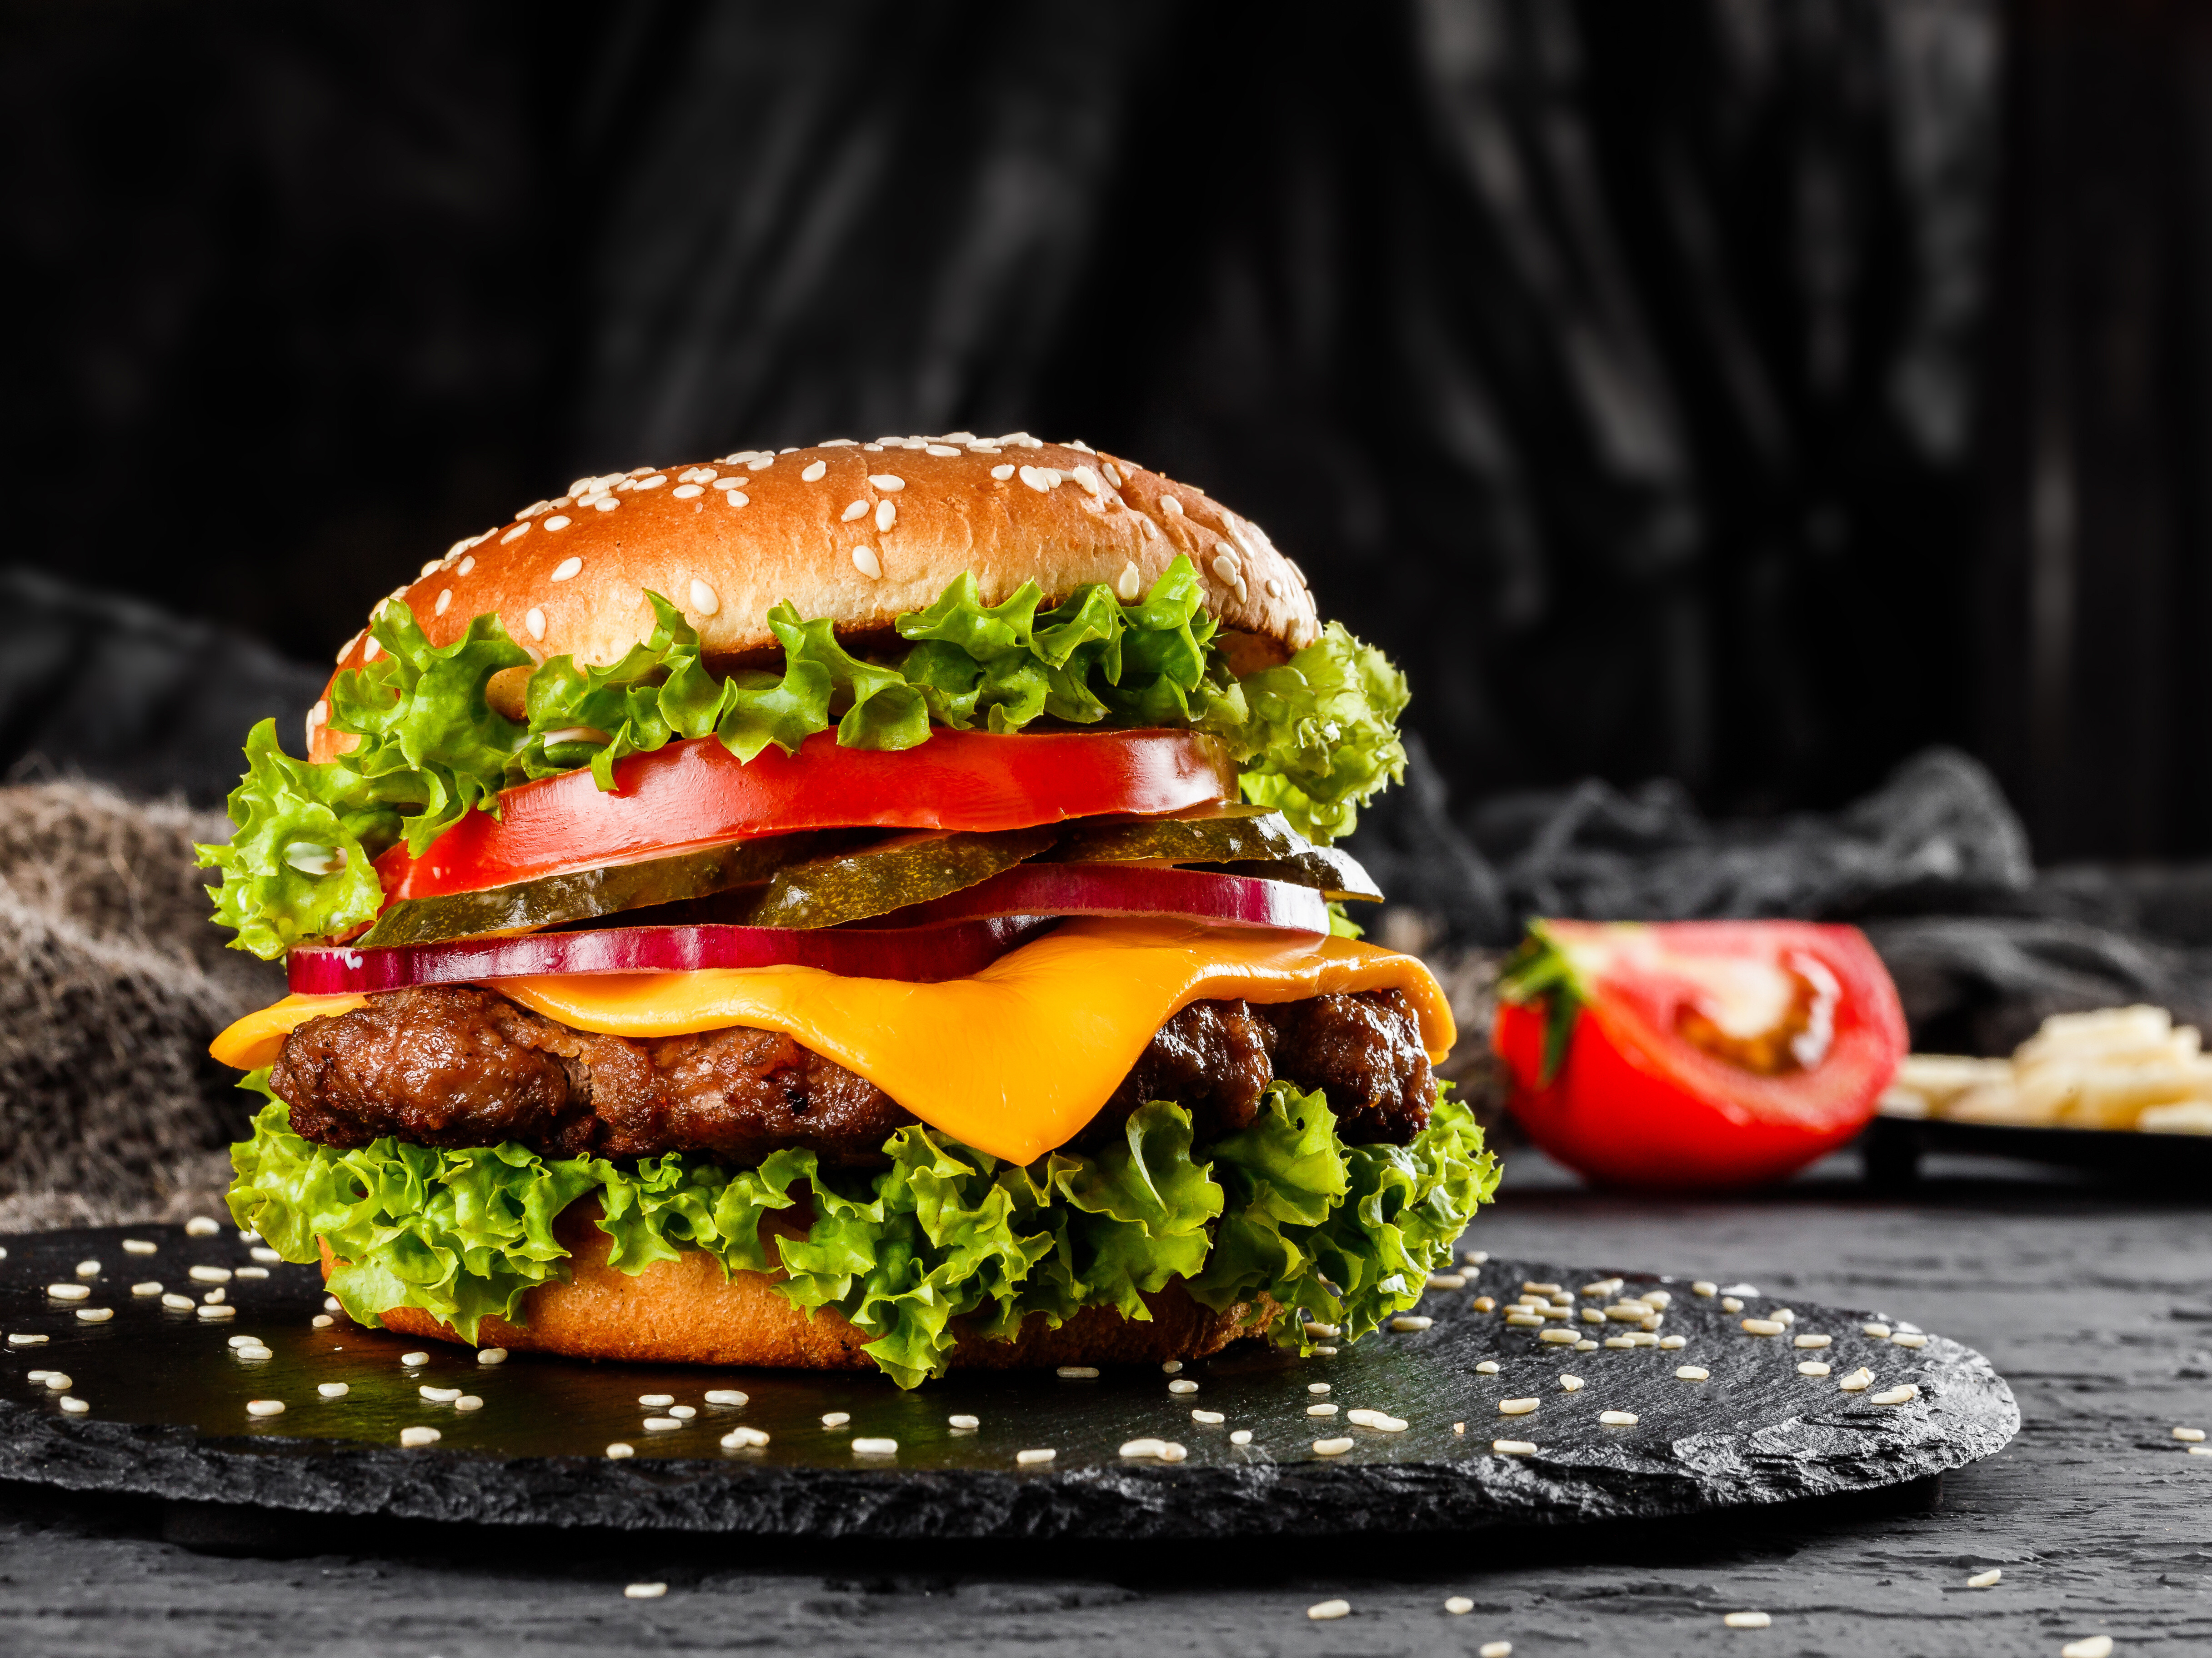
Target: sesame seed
{"x":253,"y":1272}
{"x":1183,"y":1385}
{"x":535,"y":622}
{"x":439,"y":1395}
{"x":726,"y":1396}
{"x":412,"y":1359}
{"x":1241,"y":1436}
{"x":605,"y":503}
{"x":1331,"y":1447}
{"x":1078,"y":1373}
{"x":964,"y":1423}
{"x":875,"y":1447}
{"x":445,"y":600}
{"x":1040,"y":478}
{"x":412,"y":1438}
{"x":243,"y":1341}
{"x":1746,"y":1620}
{"x":149,"y":1288}
{"x":74,"y":1406}
{"x":331,"y":1304}
{"x":653,"y":483}
{"x":95,"y":1314}
{"x":661,"y":1424}
{"x":1909,"y":1339}
{"x":1525,"y":1321}
{"x":498,"y":1356}
{"x":857,"y":509}
{"x":836,"y":1419}
{"x":1330,"y":1331}
{"x":1171,"y":504}
{"x":1382,"y":1421}
{"x":886,"y":515}
{"x":1878,"y":1332}
{"x":1324,"y":1352}
{"x":644,"y":1591}
{"x":1731,"y":1304}
{"x":760,"y":461}
{"x":1809,"y":1341}
{"x":618,"y":1450}
{"x":78,"y":1292}
{"x":1811,"y":1367}
{"x":565,"y":569}
{"x":1589,"y":1347}
{"x":1692,"y":1373}
{"x":813,"y":474}
{"x":1406,"y":1322}
{"x":1488,"y":1367}
{"x":1317,"y":1386}
{"x":683,"y":1412}
{"x":1484,"y":1304}
{"x":177,"y":1302}
{"x":1857,"y":1381}
{"x":1570,"y":1383}
{"x":1560,"y":1338}
{"x":462,"y":568}
{"x":2200,"y":1450}
{"x":1321,"y":1409}
{"x":1002,"y":473}
{"x":24,"y":1338}
{"x":2190,"y":1436}
{"x":1617,"y":1419}
{"x":1170,"y":1366}
{"x":560,"y":520}
{"x":1761,"y":1327}
{"x":333,"y":1389}
{"x":890,"y":482}
{"x":738,"y":1439}
{"x":139,"y":1246}
{"x":1030,"y":1459}
{"x":218,"y":1312}
{"x":653,"y":1400}
{"x":1986,"y":1579}
{"x":1516,"y":1406}
{"x":2090,"y":1646}
{"x":58,"y":1380}
{"x":835,"y":443}
{"x":1144,"y":1448}
{"x":264,"y":1407}
{"x":1448,"y":1281}
{"x":1323,"y":1611}
{"x":1112,"y":476}
{"x":1512,"y":1447}
{"x":1494,"y":1650}
{"x":1904,"y":1395}
{"x":1673,"y":1344}
{"x":321,"y":1322}
{"x":865,"y":561}
{"x":1208,"y":1417}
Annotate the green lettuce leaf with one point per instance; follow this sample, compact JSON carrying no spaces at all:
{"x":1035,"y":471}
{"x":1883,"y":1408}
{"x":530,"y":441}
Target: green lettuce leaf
{"x":1315,"y":737}
{"x":1340,"y":1234}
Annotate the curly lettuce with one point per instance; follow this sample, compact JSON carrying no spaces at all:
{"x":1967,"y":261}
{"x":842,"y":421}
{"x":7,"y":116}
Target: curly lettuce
{"x":1340,"y":1235}
{"x":1315,"y":737}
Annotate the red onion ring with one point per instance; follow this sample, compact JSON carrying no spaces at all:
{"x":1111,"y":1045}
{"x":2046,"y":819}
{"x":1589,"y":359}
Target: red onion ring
{"x":1065,"y":890}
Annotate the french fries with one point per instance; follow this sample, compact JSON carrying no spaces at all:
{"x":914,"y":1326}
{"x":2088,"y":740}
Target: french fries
{"x":2116,"y":1068}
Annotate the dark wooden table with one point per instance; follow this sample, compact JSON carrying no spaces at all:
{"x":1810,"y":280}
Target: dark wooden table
{"x":2096,"y":1303}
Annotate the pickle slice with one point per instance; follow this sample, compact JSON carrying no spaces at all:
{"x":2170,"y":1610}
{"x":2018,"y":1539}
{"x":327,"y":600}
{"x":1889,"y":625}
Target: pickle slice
{"x":1235,"y":841}
{"x":556,"y":900}
{"x":874,"y":880}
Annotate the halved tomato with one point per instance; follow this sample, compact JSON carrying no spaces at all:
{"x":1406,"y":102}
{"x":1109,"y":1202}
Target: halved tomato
{"x":694,"y":794}
{"x":1695,"y":1054}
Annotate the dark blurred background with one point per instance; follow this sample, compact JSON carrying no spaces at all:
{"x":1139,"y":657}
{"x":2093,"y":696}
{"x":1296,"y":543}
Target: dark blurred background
{"x":1748,"y":392}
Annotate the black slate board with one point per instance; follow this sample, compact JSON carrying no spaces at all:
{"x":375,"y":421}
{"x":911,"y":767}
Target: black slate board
{"x":167,"y":1417}
{"x":1894,"y":1146}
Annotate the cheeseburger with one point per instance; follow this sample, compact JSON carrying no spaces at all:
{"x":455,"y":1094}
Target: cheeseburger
{"x":870,"y":905}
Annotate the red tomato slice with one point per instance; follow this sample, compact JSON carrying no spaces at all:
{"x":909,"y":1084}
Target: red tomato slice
{"x":1680,"y":1071}
{"x":694,"y":794}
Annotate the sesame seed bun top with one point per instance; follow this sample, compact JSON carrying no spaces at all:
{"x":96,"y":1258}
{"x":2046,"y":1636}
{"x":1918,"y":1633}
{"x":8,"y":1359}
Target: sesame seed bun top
{"x":859,"y":532}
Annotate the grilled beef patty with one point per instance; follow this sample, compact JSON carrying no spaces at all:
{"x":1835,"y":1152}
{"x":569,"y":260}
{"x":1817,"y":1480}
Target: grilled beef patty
{"x":456,"y":1066}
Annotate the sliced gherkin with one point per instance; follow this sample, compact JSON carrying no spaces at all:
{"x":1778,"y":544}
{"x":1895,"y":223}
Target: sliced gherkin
{"x":1333,"y":873}
{"x":1235,"y":841}
{"x":555,"y":899}
{"x":890,"y":874}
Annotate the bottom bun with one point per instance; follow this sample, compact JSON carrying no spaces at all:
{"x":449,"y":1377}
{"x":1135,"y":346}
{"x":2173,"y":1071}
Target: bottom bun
{"x":684,"y":1311}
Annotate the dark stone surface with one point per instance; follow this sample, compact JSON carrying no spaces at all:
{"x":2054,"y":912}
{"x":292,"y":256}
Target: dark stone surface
{"x":168,"y":1418}
{"x":2093,"y":1303}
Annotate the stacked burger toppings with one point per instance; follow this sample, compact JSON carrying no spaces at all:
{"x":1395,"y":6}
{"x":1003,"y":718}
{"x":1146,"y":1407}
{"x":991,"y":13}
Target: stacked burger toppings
{"x":872,"y":904}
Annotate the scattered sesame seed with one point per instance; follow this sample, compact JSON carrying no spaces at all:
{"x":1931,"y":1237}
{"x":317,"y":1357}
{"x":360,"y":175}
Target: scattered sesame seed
{"x":1329,"y":1330}
{"x":1170,"y":1366}
{"x":252,"y":1272}
{"x":1761,"y":1327}
{"x":1321,"y":1409}
{"x":1912,"y":1339}
{"x":1411,"y":1321}
{"x":2200,"y":1450}
{"x":1476,"y":1257}
{"x":1317,"y":1386}
{"x":1986,"y":1579}
{"x":95,"y":1314}
{"x":661,"y":1424}
{"x":1324,"y":1352}
{"x":1170,"y":504}
{"x":1746,"y":1620}
{"x":2090,"y":1646}
{"x":1512,"y":1447}
{"x":1208,"y":1417}
{"x":1382,"y":1421}
{"x":836,"y":1419}
{"x":1561,"y":1338}
{"x":653,"y":483}
{"x":535,"y":622}
{"x":24,"y":1338}
{"x":653,"y":1401}
{"x":2190,"y":1436}
{"x":1144,"y":1448}
{"x":78,"y":1291}
{"x":218,"y":1311}
{"x":1331,"y":1447}
{"x":1572,"y":1384}
{"x":462,"y":568}
{"x":1673,"y":1344}
{"x":149,"y":1288}
{"x":411,"y":1359}
{"x":1588,"y":1346}
{"x":618,"y":1450}
{"x":1043,"y":479}
{"x":1731,"y":1304}
{"x":1857,"y":1381}
{"x":1878,"y":1332}
{"x":1030,"y":1459}
{"x":333,"y":1389}
{"x":439,"y":1395}
{"x":683,"y":1412}
{"x":865,"y":560}
{"x":179,"y":1303}
{"x":738,"y":1439}
{"x":74,"y":1406}
{"x":444,"y":599}
{"x":856,"y":509}
{"x":812,"y":474}
{"x":331,"y":1304}
{"x":644,"y":1591}
{"x":1811,"y":1367}
{"x":1323,"y":1611}
{"x":566,"y":568}
{"x":1692,"y":1373}
{"x":964,"y":1423}
{"x":1488,"y":1367}
{"x":1525,"y":1321}
{"x":321,"y":1322}
{"x":890,"y":482}
{"x":1617,"y":1419}
{"x":1494,"y":1650}
{"x":1078,"y":1373}
{"x":242,"y":1341}
{"x":1183,"y":1385}
{"x":736,"y":498}
{"x":875,"y":1447}
{"x":1241,"y":1436}
{"x":1903,"y":1396}
{"x":886,"y":515}
{"x":264,"y":1407}
{"x":1484,"y":1304}
{"x":58,"y":1380}
{"x":1516,"y":1406}
{"x":1002,"y":473}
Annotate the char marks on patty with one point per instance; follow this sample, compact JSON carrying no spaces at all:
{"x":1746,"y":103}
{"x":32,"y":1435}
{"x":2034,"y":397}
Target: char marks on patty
{"x":455,"y":1066}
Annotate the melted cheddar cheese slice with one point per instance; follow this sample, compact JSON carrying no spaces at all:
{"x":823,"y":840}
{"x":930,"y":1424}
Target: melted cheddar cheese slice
{"x":1012,"y":1060}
